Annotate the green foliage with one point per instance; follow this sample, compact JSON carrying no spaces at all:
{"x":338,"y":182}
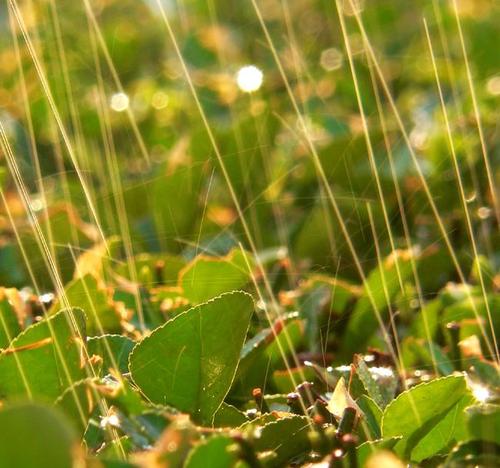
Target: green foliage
{"x":214,"y":452}
{"x":9,"y":320}
{"x":45,"y":358}
{"x":85,"y":293}
{"x":190,"y":362}
{"x":114,"y":351}
{"x":207,"y":277}
{"x":428,"y":417}
{"x":195,"y":275}
{"x":52,"y":443}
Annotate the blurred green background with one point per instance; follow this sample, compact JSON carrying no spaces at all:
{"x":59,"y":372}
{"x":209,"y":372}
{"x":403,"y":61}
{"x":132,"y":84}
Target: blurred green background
{"x":165,"y":190}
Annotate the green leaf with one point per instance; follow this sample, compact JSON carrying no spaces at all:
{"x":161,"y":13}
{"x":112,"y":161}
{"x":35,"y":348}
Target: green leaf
{"x":60,"y":226}
{"x":446,"y":432}
{"x":113,"y":349}
{"x":190,"y":362}
{"x":85,"y":293}
{"x":175,"y":194}
{"x":320,"y":292}
{"x":207,"y":277}
{"x":417,"y":353}
{"x":363,"y":319}
{"x":286,"y":437}
{"x":427,"y":319}
{"x":287,"y":341}
{"x":36,"y":437}
{"x":168,"y":267}
{"x":431,"y":408}
{"x":229,"y":416}
{"x":212,"y":452}
{"x":285,"y":381}
{"x":483,"y":422}
{"x":371,"y":386}
{"x":9,"y":321}
{"x":77,"y":403}
{"x":372,"y":415}
{"x":263,"y":353}
{"x":44,"y":359}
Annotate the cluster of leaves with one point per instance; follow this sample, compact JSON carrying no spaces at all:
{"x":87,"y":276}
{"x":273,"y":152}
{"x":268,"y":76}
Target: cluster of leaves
{"x":220,"y":382}
{"x":201,"y":335}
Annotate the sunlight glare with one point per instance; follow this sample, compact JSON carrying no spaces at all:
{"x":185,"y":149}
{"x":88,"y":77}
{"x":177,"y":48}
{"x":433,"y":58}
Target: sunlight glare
{"x":481,"y":393}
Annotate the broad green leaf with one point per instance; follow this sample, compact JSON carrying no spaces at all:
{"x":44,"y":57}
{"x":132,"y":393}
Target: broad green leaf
{"x":229,"y":416}
{"x":259,"y":421}
{"x":286,"y":437}
{"x":207,"y":277}
{"x":36,"y":437}
{"x":445,"y":433}
{"x":44,"y":359}
{"x":113,"y":349}
{"x":212,"y":452}
{"x":417,"y":412}
{"x":85,"y":293}
{"x":190,"y":362}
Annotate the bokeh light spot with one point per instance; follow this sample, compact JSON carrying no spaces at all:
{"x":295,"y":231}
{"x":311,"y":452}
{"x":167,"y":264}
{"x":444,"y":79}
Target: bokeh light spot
{"x":119,"y":102}
{"x":249,"y":78}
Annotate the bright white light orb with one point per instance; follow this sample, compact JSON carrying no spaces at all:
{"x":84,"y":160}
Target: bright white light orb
{"x":249,"y":78}
{"x":119,"y":102}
